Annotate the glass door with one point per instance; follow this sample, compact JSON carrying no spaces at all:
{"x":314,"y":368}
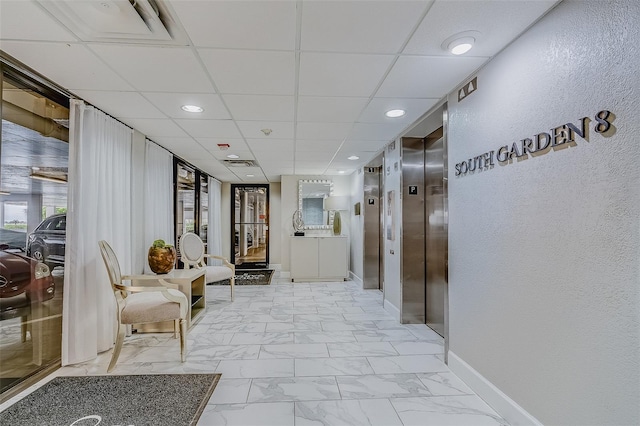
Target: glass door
{"x":250,"y":225}
{"x":33,"y":204}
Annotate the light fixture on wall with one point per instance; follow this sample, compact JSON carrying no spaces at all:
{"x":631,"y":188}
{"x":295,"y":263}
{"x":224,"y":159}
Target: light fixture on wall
{"x":461,"y":43}
{"x":335,"y":204}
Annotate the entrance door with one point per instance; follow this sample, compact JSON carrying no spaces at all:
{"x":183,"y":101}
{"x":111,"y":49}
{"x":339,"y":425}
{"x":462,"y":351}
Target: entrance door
{"x":250,"y":226}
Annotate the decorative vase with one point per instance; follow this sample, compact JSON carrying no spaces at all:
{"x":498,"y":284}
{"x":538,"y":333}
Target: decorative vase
{"x":337,"y":224}
{"x":162,"y":259}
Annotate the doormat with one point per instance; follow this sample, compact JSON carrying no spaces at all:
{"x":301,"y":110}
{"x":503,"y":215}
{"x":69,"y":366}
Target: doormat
{"x":250,"y":277}
{"x":159,"y":400}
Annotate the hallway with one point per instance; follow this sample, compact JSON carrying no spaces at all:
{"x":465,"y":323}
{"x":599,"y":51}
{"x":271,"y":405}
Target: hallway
{"x":308,"y":353}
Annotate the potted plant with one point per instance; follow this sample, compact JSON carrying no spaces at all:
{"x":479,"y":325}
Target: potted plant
{"x":162,"y":257}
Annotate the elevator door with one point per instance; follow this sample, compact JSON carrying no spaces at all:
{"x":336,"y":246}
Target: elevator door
{"x":373,"y":270}
{"x":436,"y":234}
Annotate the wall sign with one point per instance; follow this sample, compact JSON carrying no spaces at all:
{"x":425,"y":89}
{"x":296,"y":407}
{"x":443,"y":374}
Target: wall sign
{"x":413,"y":190}
{"x":540,"y":144}
{"x":468,"y":89}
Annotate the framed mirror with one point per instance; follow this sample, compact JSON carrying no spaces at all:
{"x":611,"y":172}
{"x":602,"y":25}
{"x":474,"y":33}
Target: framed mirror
{"x":311,"y":195}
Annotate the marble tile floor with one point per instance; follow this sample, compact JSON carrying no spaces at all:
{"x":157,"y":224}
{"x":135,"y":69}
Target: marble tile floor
{"x":308,"y":354}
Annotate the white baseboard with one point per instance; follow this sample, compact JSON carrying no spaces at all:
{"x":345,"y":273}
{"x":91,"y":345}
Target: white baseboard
{"x":285,"y":274}
{"x":389,"y":307}
{"x":498,"y":400}
{"x":353,"y":277}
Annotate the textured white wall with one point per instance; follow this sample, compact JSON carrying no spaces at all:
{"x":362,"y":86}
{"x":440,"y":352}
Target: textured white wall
{"x":392,"y":181}
{"x":544,"y":254}
{"x":275,"y":224}
{"x":356,"y":230}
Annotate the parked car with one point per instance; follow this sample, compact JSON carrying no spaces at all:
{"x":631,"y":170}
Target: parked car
{"x":23,"y":281}
{"x":47,"y":242}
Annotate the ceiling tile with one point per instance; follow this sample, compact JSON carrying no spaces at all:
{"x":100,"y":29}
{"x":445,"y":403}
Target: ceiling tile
{"x":156,"y":69}
{"x":34,"y":23}
{"x":240,"y":24}
{"x":174,"y":145}
{"x":415,"y":108}
{"x":309,"y":168}
{"x":427,"y":77}
{"x":335,"y":131}
{"x":274,"y":155}
{"x":330,"y":109}
{"x":242,"y":155}
{"x":88,"y":71}
{"x":314,"y":155}
{"x":209,"y":128}
{"x":334,"y":74}
{"x":447,"y":18}
{"x":318,"y":145}
{"x":279,"y":145}
{"x":211,"y":144}
{"x":376,"y":131}
{"x":359,"y":26}
{"x":363,"y":145}
{"x":121,"y":104}
{"x":264,"y":108}
{"x":251,"y":72}
{"x":156,"y":128}
{"x":253,"y":129}
{"x":171,"y":104}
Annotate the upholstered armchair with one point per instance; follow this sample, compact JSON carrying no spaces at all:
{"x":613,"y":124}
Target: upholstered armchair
{"x":158,"y":301}
{"x":193,"y":255}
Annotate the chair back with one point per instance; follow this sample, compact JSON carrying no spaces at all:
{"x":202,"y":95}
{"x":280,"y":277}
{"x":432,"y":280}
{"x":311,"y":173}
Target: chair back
{"x":111,"y":262}
{"x":192,"y":250}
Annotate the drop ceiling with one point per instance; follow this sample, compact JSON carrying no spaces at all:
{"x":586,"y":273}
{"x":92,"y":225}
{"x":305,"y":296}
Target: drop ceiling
{"x":319,"y":74}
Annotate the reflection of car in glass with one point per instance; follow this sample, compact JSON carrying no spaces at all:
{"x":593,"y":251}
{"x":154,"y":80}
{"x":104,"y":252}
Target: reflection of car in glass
{"x":249,"y":238}
{"x":47,"y":242}
{"x":23,"y":281}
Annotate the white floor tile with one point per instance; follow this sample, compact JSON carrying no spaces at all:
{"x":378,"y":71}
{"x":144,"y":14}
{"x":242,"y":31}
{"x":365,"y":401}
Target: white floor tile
{"x":407,"y":364}
{"x":445,"y":410}
{"x":310,"y":350}
{"x":275,"y":414}
{"x":332,"y":366}
{"x":231,"y":391}
{"x":373,"y":349}
{"x":370,"y":412}
{"x":382,"y":386}
{"x":293,"y":389}
{"x":256,"y":368}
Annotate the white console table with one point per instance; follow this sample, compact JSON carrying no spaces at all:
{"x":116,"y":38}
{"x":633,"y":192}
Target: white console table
{"x":191,"y":283}
{"x":319,"y":258}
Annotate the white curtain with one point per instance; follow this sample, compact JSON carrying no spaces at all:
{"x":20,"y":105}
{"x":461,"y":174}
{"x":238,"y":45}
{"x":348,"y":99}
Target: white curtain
{"x":99,"y":208}
{"x":158,"y":197}
{"x":214,"y":233}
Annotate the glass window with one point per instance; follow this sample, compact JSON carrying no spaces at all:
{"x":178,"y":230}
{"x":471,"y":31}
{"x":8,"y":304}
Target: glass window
{"x":33,"y":186}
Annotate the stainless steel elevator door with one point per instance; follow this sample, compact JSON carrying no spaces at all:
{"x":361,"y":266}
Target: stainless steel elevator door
{"x":436,"y":235}
{"x":413,"y":232}
{"x":372,"y":256}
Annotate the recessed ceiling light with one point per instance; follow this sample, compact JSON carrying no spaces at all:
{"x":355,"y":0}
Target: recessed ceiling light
{"x":233,"y":156}
{"x":394,"y":113}
{"x":192,"y":108}
{"x":250,"y":175}
{"x":341,"y":172}
{"x":353,"y":157}
{"x":461,"y":45}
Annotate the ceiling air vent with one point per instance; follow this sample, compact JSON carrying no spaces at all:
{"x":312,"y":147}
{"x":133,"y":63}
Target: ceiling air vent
{"x":133,"y":21}
{"x":240,"y":163}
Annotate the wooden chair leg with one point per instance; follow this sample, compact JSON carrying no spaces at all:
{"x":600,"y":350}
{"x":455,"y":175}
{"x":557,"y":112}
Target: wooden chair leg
{"x":183,"y":340}
{"x":176,"y":328}
{"x":116,"y":349}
